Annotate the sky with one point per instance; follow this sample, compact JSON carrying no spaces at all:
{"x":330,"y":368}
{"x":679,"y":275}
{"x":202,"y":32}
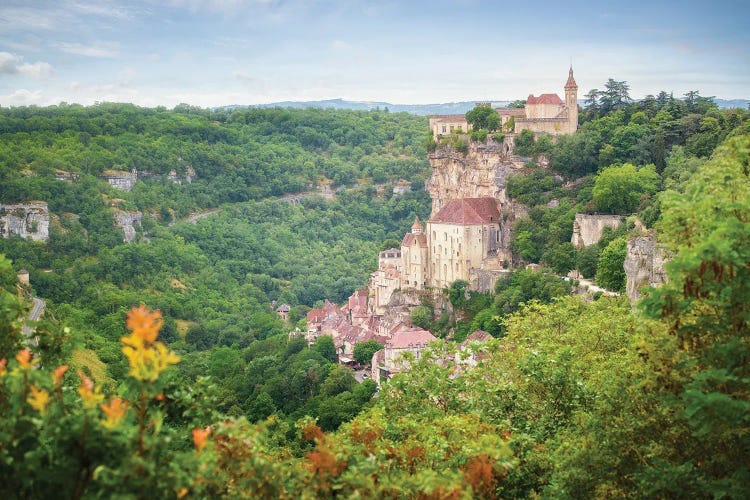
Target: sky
{"x":221,"y":52}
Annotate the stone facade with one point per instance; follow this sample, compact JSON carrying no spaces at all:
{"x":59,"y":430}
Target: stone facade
{"x":588,"y":229}
{"x":644,"y":265}
{"x":27,"y":220}
{"x":448,"y":124}
{"x":129,"y":222}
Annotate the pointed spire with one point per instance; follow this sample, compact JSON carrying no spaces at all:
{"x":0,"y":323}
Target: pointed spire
{"x":416,"y":228}
{"x":571,"y":83}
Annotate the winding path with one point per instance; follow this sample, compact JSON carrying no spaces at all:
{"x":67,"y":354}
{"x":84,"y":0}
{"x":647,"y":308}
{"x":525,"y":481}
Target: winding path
{"x":36,"y":312}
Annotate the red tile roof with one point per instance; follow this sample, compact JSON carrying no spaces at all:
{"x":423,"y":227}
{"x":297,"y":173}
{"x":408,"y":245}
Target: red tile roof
{"x":479,"y":336}
{"x":468,"y":211}
{"x":544,"y":99}
{"x":417,"y":224}
{"x":315,"y":315}
{"x":412,"y":337}
{"x":410,"y":238}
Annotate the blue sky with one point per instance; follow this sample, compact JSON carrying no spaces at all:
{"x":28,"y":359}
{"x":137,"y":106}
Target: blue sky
{"x":217,"y":52}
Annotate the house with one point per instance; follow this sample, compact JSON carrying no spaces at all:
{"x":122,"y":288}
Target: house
{"x":403,"y":339}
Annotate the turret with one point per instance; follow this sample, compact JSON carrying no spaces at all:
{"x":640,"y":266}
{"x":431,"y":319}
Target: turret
{"x":417,"y":228}
{"x":571,"y":101}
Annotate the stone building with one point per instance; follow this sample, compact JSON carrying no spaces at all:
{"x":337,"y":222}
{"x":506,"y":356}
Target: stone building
{"x":414,"y":257}
{"x":462,"y":236}
{"x":545,"y":114}
{"x":390,"y":360}
{"x":448,"y":124}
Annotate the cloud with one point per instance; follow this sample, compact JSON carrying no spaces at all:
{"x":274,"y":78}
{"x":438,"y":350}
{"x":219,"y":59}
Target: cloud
{"x":11,"y":64}
{"x":220,"y":5}
{"x":102,"y":49}
{"x":101,"y":8}
{"x":22,"y":97}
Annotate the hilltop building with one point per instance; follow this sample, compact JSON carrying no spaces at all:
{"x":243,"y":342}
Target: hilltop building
{"x":545,"y":114}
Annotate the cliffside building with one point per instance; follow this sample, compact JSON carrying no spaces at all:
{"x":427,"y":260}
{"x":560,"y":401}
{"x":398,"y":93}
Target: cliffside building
{"x":545,"y":114}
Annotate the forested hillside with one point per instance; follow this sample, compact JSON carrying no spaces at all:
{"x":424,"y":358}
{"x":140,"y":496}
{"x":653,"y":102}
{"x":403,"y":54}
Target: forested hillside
{"x":210,"y":397}
{"x":214,"y":279}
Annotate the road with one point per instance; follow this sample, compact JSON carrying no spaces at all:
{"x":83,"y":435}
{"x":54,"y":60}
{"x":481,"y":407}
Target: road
{"x":593,"y":288}
{"x":36,"y":312}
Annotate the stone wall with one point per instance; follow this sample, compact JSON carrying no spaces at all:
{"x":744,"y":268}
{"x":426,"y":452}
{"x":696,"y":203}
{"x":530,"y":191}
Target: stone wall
{"x":127,"y":221}
{"x":644,"y":265}
{"x":588,"y":229}
{"x":27,"y":220}
{"x":483,"y":280}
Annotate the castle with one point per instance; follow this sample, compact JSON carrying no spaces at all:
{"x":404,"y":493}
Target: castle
{"x":546,"y":114}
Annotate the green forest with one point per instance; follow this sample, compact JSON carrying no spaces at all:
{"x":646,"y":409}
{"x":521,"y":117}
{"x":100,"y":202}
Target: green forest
{"x":161,"y":369}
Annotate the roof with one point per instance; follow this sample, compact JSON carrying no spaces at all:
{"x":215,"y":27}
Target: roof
{"x":417,"y":224}
{"x":410,"y":238}
{"x":511,"y":111}
{"x":283,"y":308}
{"x":571,"y":83}
{"x":479,"y":336}
{"x":412,"y":337}
{"x":544,"y":99}
{"x":468,"y":211}
{"x":315,"y":315}
{"x":448,"y":118}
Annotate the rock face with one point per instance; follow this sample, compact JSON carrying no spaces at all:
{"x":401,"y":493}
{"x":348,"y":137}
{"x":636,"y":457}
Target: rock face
{"x":480,"y":173}
{"x":119,"y":179}
{"x":27,"y":220}
{"x":127,"y":221}
{"x":644,"y":265}
{"x":588,"y":229}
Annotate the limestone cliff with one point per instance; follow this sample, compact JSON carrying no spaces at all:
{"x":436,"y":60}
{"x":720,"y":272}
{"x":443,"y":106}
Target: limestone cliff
{"x":127,"y":221}
{"x":27,"y":220}
{"x":481,"y":172}
{"x":588,"y":229}
{"x":644,"y":265}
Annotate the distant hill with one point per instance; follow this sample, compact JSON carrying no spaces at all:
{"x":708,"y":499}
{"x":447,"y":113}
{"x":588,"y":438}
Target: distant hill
{"x":732,"y":103}
{"x":446,"y":108}
{"x":449,"y":108}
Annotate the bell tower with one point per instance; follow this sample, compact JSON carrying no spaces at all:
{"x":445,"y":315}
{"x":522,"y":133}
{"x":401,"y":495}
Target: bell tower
{"x":571,"y":101}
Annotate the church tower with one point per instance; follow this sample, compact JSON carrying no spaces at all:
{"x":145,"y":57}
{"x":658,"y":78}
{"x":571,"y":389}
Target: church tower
{"x":571,"y":102}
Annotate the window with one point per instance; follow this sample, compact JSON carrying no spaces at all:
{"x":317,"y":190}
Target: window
{"x":443,"y":128}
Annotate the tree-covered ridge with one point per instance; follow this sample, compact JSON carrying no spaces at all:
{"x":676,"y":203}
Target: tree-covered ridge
{"x":237,"y":156}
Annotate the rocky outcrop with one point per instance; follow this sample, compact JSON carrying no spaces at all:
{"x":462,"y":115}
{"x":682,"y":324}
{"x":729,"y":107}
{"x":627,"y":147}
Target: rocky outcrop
{"x":644,"y":265}
{"x":588,"y":229}
{"x":120,"y":179}
{"x":479,"y":173}
{"x":27,"y":220}
{"x":129,"y":222}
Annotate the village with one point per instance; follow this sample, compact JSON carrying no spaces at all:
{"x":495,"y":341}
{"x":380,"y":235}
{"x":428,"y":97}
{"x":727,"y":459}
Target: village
{"x":467,"y":237}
